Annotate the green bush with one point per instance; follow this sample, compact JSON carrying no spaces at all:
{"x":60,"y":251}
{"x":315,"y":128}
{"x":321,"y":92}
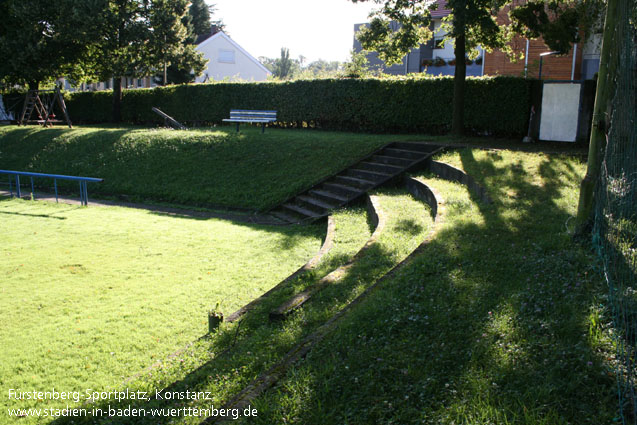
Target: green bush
{"x":494,"y":105}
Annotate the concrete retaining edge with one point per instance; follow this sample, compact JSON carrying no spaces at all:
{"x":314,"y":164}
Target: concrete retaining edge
{"x":328,"y":243}
{"x":378,"y":220}
{"x":269,"y":378}
{"x":451,"y":173}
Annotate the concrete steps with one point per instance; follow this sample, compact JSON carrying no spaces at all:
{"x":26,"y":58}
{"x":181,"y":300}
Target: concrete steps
{"x":349,"y":185}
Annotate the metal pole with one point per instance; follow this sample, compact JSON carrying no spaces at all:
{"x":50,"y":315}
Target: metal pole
{"x":32,"y":191}
{"x":17,"y":185}
{"x":55,"y":184}
{"x":86,"y":193}
{"x":11,"y":187}
{"x":526,"y":59}
{"x":574,"y":58}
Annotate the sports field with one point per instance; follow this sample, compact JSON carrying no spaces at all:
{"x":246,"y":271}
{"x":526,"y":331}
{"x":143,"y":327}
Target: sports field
{"x":93,"y":295}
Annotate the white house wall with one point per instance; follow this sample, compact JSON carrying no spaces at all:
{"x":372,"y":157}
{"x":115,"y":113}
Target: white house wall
{"x":227,"y":61}
{"x":447,"y":52}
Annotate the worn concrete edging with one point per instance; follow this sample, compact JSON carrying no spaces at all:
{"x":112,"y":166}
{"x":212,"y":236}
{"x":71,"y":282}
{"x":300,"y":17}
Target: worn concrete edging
{"x":378,"y":221}
{"x":451,"y":173}
{"x":328,"y":243}
{"x":269,"y":378}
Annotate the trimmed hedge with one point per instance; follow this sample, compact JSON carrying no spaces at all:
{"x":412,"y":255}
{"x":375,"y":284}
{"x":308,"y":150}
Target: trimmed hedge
{"x":494,"y":105}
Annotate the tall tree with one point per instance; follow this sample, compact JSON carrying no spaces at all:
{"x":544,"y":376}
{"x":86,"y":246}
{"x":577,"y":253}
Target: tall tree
{"x":168,"y":43}
{"x":200,"y":25}
{"x":471,"y":23}
{"x":283,"y":65}
{"x":121,"y":48}
{"x":42,"y":40}
{"x":199,"y":13}
{"x":138,"y":37}
{"x":601,"y":119}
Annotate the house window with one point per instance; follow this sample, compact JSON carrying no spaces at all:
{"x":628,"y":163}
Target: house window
{"x":140,"y":82}
{"x":226,"y":56}
{"x":439,"y":42}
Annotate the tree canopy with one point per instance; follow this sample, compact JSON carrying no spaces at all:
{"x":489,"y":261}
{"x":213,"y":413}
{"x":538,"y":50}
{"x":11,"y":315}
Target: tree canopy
{"x":471,"y":23}
{"x":283,"y":65}
{"x":140,"y":37}
{"x":400,"y":25}
{"x":42,"y":40}
{"x":93,"y":39}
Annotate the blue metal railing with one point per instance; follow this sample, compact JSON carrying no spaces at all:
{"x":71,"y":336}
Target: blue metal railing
{"x":82,"y":181}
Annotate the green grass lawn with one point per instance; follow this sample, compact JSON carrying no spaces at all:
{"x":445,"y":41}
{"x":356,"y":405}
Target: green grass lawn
{"x":204,"y":167}
{"x":241,"y":351}
{"x":91,"y":296}
{"x":499,"y":321}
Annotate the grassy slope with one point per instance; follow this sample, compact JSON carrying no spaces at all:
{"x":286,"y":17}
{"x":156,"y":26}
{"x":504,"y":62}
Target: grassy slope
{"x":497,"y":322}
{"x":93,"y":295}
{"x":210,"y":167}
{"x":256,"y":343}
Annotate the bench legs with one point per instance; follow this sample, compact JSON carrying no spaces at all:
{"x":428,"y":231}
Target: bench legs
{"x":262,"y":127}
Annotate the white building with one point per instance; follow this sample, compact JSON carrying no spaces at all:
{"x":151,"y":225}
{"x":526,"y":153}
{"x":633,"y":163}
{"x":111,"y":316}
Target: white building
{"x":228,"y":61}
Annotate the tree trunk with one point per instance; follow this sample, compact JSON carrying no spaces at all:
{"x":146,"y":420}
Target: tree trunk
{"x":597,"y":145}
{"x":460,"y":74}
{"x":117,"y":99}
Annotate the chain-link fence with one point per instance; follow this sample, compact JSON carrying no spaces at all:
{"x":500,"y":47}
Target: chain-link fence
{"x":615,"y":231}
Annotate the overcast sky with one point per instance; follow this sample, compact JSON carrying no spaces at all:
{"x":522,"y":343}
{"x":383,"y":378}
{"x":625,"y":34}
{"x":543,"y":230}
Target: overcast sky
{"x":316,"y":29}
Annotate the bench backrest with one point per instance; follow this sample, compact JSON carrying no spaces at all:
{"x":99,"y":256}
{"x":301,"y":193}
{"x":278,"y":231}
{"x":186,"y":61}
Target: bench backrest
{"x":244,"y":114}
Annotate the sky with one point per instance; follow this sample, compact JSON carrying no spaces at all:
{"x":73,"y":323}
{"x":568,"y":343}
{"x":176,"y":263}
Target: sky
{"x":316,"y":29}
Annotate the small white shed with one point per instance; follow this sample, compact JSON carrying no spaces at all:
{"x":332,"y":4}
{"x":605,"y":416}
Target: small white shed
{"x":229,"y":61}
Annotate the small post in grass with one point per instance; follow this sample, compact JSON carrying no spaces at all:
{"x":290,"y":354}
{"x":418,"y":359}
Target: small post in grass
{"x":215,"y":317}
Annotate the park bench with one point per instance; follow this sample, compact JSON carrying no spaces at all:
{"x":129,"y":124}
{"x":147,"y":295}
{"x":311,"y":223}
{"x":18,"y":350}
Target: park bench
{"x":250,"y":116}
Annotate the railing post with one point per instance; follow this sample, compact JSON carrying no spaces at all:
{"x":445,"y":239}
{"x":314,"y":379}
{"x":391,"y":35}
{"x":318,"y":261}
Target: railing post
{"x":81,"y":194}
{"x":81,"y":180}
{"x":85,"y":193}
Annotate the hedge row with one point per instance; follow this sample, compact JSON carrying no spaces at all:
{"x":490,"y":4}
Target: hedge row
{"x":494,"y":105}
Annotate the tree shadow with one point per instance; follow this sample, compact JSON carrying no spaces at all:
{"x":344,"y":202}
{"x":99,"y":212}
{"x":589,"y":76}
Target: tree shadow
{"x":255,"y":343}
{"x":488,"y":325}
{"x":33,"y":215}
{"x":408,"y":226}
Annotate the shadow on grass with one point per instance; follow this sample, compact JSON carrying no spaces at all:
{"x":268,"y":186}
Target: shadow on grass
{"x":26,"y":214}
{"x":408,"y":226}
{"x":33,"y":215}
{"x":489,"y":325}
{"x":255,"y":343}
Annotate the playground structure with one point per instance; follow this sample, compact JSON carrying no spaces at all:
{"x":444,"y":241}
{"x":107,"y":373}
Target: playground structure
{"x":39,"y":108}
{"x":5,"y":116}
{"x":169,"y":121}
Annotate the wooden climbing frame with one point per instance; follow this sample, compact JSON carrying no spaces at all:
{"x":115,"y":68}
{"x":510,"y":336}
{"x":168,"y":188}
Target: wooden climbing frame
{"x":38,"y":108}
